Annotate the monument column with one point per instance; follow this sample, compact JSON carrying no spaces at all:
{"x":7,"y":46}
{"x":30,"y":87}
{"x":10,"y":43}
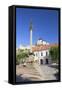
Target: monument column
{"x":31,"y":36}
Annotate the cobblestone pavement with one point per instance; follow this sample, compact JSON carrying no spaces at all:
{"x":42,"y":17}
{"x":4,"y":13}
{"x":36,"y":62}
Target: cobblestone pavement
{"x":28,"y":73}
{"x":47,"y":72}
{"x":35,"y":72}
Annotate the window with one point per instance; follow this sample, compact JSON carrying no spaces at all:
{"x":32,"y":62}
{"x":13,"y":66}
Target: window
{"x":46,"y":53}
{"x":41,"y":54}
{"x":36,"y":54}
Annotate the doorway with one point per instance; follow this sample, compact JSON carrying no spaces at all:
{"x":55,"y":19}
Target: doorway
{"x":41,"y":61}
{"x":46,"y":61}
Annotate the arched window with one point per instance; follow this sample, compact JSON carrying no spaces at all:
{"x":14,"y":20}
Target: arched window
{"x":41,"y":54}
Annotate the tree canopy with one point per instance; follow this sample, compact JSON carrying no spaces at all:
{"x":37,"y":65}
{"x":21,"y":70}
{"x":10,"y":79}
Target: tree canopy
{"x":21,"y":56}
{"x":54,"y":53}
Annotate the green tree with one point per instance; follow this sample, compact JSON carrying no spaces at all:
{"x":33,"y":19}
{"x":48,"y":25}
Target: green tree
{"x":54,"y":54}
{"x":17,"y":58}
{"x":21,"y":57}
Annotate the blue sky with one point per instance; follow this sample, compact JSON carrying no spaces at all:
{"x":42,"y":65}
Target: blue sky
{"x":45,"y":25}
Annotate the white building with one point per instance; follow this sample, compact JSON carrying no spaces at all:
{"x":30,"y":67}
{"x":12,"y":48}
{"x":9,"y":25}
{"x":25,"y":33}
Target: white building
{"x":42,"y":56}
{"x":41,"y":52}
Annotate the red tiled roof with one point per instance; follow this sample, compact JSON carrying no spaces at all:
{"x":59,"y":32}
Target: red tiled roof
{"x":42,"y":47}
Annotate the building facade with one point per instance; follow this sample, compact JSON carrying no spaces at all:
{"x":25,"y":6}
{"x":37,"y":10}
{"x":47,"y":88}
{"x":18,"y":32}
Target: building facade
{"x":41,"y":52}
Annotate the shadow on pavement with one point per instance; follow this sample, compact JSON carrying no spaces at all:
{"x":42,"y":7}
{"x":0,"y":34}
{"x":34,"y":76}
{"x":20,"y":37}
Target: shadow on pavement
{"x":57,"y":75}
{"x":54,"y":66}
{"x":19,"y":78}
